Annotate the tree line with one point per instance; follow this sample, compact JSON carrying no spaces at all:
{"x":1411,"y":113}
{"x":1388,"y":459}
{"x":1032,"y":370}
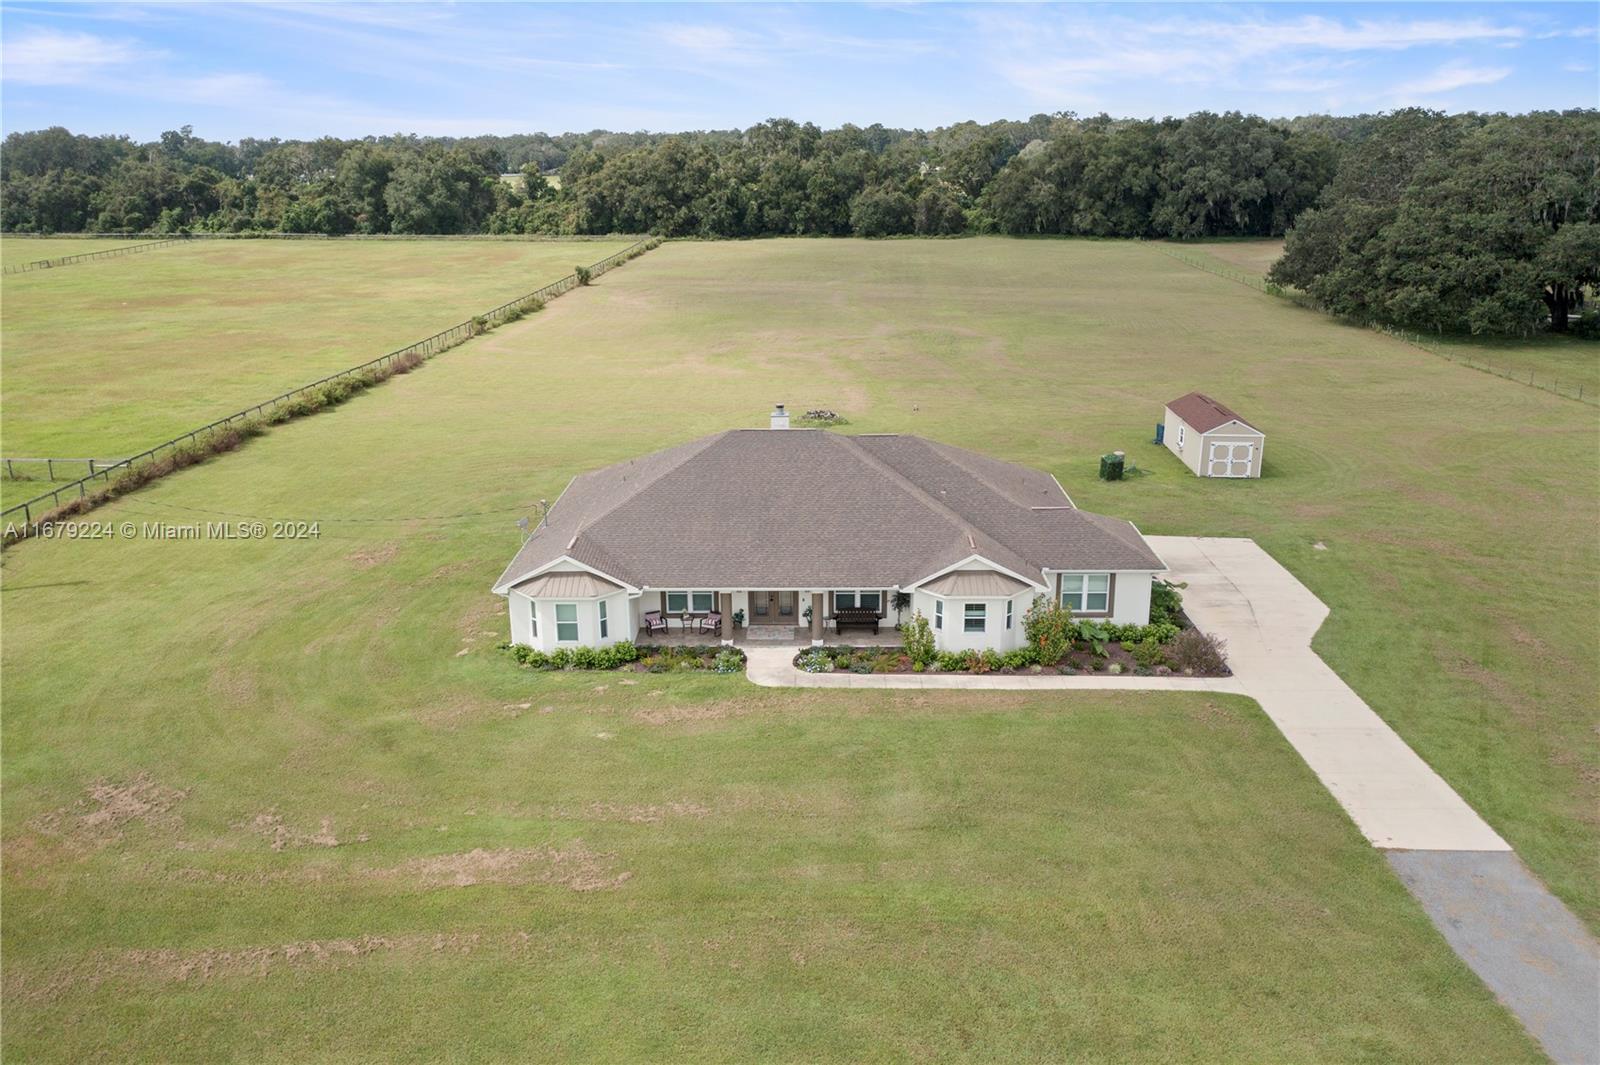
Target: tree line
{"x":1415,"y":217}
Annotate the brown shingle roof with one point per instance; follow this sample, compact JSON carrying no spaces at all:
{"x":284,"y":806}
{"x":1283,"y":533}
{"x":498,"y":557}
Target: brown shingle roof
{"x":805,"y":508}
{"x":1204,"y":413}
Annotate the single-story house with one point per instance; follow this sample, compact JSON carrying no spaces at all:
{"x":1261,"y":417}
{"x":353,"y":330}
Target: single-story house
{"x":1212,"y":440}
{"x":792,"y":526}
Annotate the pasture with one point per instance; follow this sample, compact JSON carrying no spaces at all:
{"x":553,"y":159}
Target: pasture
{"x":1567,"y":362}
{"x":249,"y":785}
{"x":14,"y":251}
{"x":106,"y":358}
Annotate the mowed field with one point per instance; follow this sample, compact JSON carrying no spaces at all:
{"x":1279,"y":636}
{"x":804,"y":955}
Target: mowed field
{"x":14,"y":251}
{"x":282,"y":799}
{"x":1561,"y":363}
{"x":108,"y":357}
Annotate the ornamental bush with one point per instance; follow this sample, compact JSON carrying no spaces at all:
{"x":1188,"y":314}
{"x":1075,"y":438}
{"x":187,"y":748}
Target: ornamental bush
{"x":1049,"y":629}
{"x":917,"y":637}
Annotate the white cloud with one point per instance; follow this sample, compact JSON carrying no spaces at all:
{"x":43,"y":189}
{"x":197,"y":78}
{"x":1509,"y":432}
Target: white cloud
{"x":1448,"y":78}
{"x":50,"y":57}
{"x":1063,"y":57}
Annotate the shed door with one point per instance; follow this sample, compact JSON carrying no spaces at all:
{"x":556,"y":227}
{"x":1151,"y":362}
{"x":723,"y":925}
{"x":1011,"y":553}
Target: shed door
{"x":1229,"y":460}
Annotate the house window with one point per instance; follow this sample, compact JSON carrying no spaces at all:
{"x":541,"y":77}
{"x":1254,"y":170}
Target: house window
{"x":603,"y":629}
{"x":1008,"y":613}
{"x":567,"y":622}
{"x":975,"y":617}
{"x":857,"y":599}
{"x":1086,"y":593}
{"x":938,"y":613}
{"x":691,"y":602}
{"x":533,"y":617}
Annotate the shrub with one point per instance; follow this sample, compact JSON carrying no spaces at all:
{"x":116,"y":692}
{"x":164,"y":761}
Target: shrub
{"x":917,"y":638}
{"x":729,"y":660}
{"x":1049,"y":629}
{"x":951,"y":661}
{"x":1165,"y":602}
{"x":1021,"y":658}
{"x":816,"y":660}
{"x":1114,"y":667}
{"x":917,"y":667}
{"x":1197,"y":652}
{"x":584,"y":275}
{"x":560,"y":658}
{"x":989,"y":661}
{"x":1148,"y":653}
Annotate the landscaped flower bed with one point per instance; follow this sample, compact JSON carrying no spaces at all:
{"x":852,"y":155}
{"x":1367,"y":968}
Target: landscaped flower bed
{"x":1188,"y":653}
{"x":1055,"y":644}
{"x":624,"y":654}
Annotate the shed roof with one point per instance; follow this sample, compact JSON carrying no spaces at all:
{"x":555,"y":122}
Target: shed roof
{"x":1204,"y":413}
{"x":806,"y":508}
{"x":978,"y":583}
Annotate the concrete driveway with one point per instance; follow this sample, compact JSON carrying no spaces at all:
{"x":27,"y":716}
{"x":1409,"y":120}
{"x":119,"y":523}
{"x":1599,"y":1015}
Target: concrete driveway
{"x":1238,"y":592}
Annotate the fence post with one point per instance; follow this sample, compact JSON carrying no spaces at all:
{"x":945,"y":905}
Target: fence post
{"x":50,"y":469}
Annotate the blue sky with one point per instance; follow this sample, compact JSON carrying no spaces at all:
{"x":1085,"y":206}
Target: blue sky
{"x":302,"y":70}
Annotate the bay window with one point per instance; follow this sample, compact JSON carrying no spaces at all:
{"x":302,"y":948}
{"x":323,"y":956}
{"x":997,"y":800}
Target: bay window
{"x":975,"y":617}
{"x":567,"y":622}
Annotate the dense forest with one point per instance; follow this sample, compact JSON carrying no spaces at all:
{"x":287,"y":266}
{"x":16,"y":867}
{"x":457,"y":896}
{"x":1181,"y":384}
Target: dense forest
{"x":1484,"y":223}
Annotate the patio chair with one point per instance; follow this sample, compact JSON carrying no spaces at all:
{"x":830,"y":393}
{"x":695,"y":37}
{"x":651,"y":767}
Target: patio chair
{"x":711,"y":623}
{"x":654,"y":623}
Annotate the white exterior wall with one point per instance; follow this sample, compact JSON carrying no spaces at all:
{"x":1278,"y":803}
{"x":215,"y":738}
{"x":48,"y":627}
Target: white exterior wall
{"x":619,"y":621}
{"x":954,"y":637}
{"x":1130,"y":597}
{"x":1231,"y":434}
{"x":1188,"y":453}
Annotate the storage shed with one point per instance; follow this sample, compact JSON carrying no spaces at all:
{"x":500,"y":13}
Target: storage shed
{"x":1212,"y":440}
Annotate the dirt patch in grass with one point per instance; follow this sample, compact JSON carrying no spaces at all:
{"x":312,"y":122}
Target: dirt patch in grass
{"x":466,"y":711}
{"x":171,"y":965}
{"x":270,"y":826}
{"x":369,"y":557}
{"x":633,"y":813}
{"x":677,"y":715}
{"x":107,"y":808}
{"x":574,"y":866}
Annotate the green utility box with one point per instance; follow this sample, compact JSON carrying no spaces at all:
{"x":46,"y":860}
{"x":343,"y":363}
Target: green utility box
{"x":1111,"y":466}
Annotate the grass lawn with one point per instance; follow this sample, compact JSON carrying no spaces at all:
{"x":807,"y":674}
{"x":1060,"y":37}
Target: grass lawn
{"x":111,"y":357}
{"x":812,"y":875}
{"x":17,"y":250}
{"x":1560,"y":362}
{"x":741,"y":874}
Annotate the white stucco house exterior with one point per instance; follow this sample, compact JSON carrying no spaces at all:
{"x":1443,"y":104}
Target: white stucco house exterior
{"x":1211,"y":439}
{"x":783,"y":523}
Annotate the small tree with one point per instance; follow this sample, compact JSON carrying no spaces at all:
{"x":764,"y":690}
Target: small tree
{"x":584,"y":276}
{"x":1049,"y":629}
{"x":901,"y":600}
{"x":917,"y":638}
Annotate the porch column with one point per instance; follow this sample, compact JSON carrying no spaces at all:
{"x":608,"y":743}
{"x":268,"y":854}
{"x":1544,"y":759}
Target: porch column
{"x":816,"y":619}
{"x":725,"y":605}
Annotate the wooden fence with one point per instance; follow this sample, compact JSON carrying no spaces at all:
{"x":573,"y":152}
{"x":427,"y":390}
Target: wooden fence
{"x":108,"y":253}
{"x":426,"y":348}
{"x":31,"y":467}
{"x":1521,"y":375}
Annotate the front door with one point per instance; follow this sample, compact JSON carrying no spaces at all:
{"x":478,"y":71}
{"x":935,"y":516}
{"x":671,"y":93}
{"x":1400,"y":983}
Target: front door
{"x":773,"y":608}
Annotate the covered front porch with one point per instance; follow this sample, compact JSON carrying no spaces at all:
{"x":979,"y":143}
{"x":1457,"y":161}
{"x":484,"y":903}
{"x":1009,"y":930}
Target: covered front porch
{"x":688,"y":617}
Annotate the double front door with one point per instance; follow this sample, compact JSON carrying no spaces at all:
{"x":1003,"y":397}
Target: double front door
{"x":773,"y":608}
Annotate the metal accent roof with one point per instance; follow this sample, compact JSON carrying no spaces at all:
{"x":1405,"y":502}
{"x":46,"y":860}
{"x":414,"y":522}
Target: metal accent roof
{"x":978,"y":583}
{"x":566,"y":584}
